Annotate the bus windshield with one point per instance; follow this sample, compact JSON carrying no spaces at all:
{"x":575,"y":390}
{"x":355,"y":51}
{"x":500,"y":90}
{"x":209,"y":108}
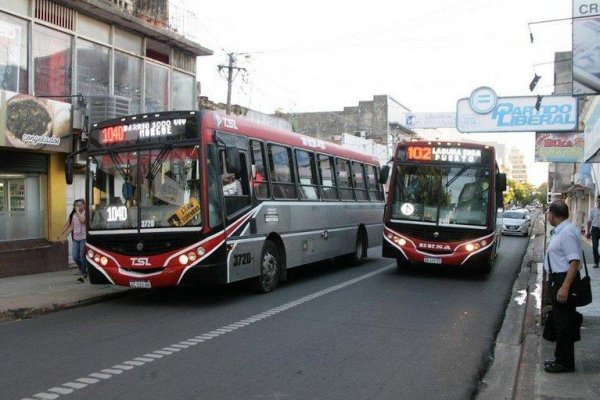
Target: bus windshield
{"x":155,"y":188}
{"x":451,"y":196}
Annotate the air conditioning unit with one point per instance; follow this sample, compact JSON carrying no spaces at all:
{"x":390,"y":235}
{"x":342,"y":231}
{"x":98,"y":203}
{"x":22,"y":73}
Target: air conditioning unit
{"x":101,"y":108}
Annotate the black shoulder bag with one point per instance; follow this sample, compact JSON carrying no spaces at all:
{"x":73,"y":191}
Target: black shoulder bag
{"x":580,"y":292}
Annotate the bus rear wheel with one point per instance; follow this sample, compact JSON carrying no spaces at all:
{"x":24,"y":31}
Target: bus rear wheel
{"x":270,"y":269}
{"x":360,"y":250}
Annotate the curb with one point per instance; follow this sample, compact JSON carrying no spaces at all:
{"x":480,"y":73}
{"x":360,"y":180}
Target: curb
{"x":15,"y":314}
{"x":500,"y":380}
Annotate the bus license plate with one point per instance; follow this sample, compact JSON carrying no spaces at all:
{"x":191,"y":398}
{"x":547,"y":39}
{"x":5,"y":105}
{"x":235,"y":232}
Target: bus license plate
{"x":140,"y":284}
{"x":432,"y":260}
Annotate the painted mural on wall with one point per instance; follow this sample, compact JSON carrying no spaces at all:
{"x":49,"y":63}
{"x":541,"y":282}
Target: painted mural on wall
{"x":34,"y":123}
{"x":559,"y":147}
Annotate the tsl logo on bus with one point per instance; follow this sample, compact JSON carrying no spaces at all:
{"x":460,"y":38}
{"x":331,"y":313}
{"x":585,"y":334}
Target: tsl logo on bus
{"x":225,"y":122}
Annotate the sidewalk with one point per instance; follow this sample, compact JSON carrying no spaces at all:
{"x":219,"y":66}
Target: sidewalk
{"x":584,"y":383}
{"x":29,"y":295}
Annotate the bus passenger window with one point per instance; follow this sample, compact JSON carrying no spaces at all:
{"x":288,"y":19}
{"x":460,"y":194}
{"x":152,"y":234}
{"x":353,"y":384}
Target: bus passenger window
{"x":359,"y":181}
{"x":281,"y":172}
{"x":328,"y":186}
{"x":344,"y":179}
{"x":307,"y":175}
{"x":236,"y":191}
{"x":260,"y":183}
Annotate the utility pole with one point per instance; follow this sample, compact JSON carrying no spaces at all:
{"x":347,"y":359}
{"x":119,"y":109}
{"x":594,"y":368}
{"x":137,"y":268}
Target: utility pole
{"x":230,"y":77}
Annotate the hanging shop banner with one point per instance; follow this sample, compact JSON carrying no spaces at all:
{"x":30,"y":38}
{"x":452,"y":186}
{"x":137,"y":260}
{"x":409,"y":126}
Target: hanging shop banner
{"x":430,"y":120}
{"x":554,"y":147}
{"x":484,"y":111}
{"x":586,"y":63}
{"x":34,"y":123}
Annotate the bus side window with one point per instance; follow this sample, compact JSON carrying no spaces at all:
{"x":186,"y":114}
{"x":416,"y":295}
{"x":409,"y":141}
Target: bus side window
{"x":236,"y":191}
{"x":373,"y":183}
{"x":359,"y":181}
{"x":344,"y":179}
{"x":328,"y":186}
{"x":214,"y":199}
{"x":281,"y":172}
{"x":260,"y":183}
{"x":307,"y":175}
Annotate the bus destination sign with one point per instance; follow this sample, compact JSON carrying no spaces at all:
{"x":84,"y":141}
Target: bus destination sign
{"x":145,"y":131}
{"x":440,"y":154}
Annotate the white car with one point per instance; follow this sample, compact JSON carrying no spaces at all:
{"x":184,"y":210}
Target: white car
{"x":515,"y":222}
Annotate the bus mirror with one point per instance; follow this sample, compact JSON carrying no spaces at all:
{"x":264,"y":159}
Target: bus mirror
{"x":69,"y":170}
{"x":232,"y":161}
{"x":500,"y":182}
{"x":383,"y":174}
{"x":253,"y":171}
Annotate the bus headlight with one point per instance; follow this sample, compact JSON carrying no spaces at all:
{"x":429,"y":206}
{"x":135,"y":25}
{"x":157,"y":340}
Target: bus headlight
{"x":470,"y":247}
{"x":201,"y":251}
{"x":90,"y":254}
{"x":192,"y":256}
{"x":97,"y":258}
{"x":183,"y":259}
{"x":103,"y":260}
{"x":402,"y":242}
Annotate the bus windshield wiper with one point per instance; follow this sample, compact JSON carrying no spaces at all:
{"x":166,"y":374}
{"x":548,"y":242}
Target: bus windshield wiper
{"x":117,"y":162}
{"x":458,"y":174}
{"x":155,"y":166}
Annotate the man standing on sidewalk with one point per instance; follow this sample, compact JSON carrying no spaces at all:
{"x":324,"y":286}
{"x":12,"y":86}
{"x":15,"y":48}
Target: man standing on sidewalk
{"x":593,"y":230}
{"x":562,"y":262}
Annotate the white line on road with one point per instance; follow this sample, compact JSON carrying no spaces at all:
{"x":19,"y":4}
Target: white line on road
{"x":107,"y":373}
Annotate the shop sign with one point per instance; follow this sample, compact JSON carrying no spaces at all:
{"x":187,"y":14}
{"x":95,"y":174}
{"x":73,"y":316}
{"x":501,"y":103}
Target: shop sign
{"x":586,"y":8}
{"x":592,"y":132}
{"x":34,"y":123}
{"x":485,"y":112}
{"x":430,"y":120}
{"x":586,"y":63}
{"x":567,"y":147}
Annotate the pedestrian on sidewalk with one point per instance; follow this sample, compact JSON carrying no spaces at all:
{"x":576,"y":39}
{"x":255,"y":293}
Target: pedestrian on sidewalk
{"x":562,"y":264}
{"x":593,"y":230}
{"x":77,"y":228}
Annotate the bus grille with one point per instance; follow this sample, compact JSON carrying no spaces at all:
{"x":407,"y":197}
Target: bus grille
{"x":150,"y":246}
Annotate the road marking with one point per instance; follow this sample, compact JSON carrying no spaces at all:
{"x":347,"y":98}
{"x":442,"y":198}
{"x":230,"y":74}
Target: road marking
{"x":108,"y":373}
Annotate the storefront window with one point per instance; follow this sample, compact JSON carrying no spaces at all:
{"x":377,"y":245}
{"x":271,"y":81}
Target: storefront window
{"x":182,"y":91}
{"x":22,"y":214}
{"x":128,"y":80}
{"x":52,"y":62}
{"x":92,"y":68}
{"x":13,"y":54}
{"x":157,"y":88}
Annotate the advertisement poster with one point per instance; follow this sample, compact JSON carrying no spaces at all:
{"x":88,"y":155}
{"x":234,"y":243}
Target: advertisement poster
{"x":34,"y":123}
{"x":565,"y":147}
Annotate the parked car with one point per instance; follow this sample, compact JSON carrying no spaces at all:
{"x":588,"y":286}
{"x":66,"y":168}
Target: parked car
{"x":516,"y":222}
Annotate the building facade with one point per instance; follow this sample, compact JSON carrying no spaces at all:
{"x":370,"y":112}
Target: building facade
{"x":57,"y":58}
{"x":517,"y":169}
{"x":381,"y":120}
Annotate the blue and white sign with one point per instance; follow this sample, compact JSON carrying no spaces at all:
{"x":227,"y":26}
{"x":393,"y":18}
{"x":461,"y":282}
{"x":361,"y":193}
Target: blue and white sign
{"x":483,"y":100}
{"x":517,"y":114}
{"x":430,"y":120}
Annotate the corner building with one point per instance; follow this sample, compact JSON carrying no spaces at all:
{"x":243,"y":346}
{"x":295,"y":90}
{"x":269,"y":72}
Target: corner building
{"x":57,"y":60}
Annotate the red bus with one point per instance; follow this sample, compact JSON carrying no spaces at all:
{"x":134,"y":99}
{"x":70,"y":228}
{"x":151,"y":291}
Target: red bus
{"x":179,"y":197}
{"x":442,"y":205}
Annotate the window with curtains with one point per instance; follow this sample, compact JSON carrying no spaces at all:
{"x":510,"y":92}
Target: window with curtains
{"x":128,"y":80}
{"x":13,"y":54}
{"x":157,"y":88}
{"x":52,"y":62}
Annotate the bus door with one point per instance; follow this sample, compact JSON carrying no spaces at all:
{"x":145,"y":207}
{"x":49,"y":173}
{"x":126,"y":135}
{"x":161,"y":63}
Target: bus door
{"x":234,"y":163}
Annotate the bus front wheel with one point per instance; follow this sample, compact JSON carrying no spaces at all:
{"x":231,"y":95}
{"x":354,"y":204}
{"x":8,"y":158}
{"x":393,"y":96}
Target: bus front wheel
{"x":270,"y":269}
{"x":360,"y":250}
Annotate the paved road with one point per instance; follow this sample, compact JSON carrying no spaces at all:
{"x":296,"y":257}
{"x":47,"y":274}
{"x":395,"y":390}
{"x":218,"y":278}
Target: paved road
{"x":331,"y":332}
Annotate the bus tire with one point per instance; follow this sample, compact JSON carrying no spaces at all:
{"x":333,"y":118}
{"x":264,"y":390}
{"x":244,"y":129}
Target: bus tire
{"x":402,"y":264}
{"x":360,"y":248}
{"x":270,"y":269}
{"x":96,"y":277}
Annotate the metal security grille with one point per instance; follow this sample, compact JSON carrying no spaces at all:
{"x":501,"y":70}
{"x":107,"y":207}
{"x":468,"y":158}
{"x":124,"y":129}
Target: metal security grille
{"x":54,"y":13}
{"x":17,"y":162}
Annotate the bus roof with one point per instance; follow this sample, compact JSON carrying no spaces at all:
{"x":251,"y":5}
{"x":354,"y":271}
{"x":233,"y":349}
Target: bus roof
{"x":240,"y":126}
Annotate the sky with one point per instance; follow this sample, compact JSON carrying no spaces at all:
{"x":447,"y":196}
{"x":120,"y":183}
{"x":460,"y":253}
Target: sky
{"x":324,"y":55}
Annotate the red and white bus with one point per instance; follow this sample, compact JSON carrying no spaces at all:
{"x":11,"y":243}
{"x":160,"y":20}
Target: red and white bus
{"x":442,"y":204}
{"x":179,"y":197}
